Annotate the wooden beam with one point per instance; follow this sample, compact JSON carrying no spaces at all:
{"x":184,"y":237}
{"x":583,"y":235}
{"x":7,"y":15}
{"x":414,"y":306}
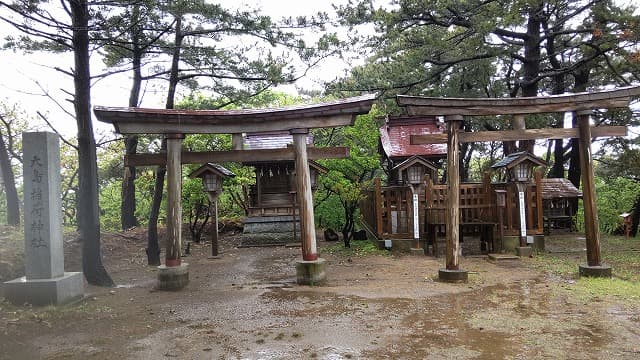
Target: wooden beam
{"x":161,"y":127}
{"x":127,"y":120}
{"x":515,"y":135}
{"x":617,"y":98}
{"x":201,"y":157}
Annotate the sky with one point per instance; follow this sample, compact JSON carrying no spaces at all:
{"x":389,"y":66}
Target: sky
{"x":28,"y":77}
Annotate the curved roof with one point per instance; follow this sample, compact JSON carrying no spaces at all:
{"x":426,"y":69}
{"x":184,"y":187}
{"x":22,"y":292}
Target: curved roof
{"x":127,"y":120}
{"x":395,"y":137}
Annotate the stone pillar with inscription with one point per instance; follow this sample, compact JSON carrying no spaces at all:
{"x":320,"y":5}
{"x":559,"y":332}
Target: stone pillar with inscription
{"x":45,"y":281}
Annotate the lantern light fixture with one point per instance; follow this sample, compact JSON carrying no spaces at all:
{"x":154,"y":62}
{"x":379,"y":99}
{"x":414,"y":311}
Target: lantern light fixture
{"x":415,"y":174}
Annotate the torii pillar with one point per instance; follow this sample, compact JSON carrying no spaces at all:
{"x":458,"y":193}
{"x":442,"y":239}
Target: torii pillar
{"x":594,"y":266}
{"x":311,"y":269}
{"x":452,"y":271}
{"x":174,"y":275}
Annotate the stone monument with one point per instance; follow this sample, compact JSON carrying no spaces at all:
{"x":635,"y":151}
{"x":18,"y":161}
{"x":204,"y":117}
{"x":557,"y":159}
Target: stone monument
{"x":45,"y":281}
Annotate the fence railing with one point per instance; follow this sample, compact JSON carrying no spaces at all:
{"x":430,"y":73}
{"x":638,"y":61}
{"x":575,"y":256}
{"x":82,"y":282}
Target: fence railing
{"x":388,"y":212}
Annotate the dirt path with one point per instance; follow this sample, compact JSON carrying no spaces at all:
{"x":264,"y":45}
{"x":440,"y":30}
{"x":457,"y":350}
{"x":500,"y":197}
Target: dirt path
{"x":246,"y":305}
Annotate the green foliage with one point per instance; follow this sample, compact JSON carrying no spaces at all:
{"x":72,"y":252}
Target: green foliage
{"x":346,"y":177}
{"x":144,"y":195}
{"x":328,"y":211}
{"x":357,"y":249}
{"x":614,"y":197}
{"x":110,"y":206}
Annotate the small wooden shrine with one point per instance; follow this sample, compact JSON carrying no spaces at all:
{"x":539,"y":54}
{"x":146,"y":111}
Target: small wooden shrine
{"x":399,"y":156}
{"x":557,"y":197}
{"x":272,"y":213}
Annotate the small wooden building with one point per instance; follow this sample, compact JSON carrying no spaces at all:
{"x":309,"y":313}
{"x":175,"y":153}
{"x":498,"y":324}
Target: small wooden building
{"x":272,"y":213}
{"x":557,"y":196}
{"x":398,"y":155}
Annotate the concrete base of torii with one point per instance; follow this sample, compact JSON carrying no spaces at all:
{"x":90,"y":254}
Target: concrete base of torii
{"x":311,"y":272}
{"x":173,"y":278}
{"x":603,"y":271}
{"x":453,"y":276}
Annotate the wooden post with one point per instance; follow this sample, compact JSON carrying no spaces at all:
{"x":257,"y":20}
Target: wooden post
{"x":415,"y":219}
{"x":540,"y":215}
{"x":174,"y":197}
{"x":378,"y":196}
{"x":305,"y":197}
{"x":236,"y":141}
{"x":591,"y":225}
{"x":293,"y":214}
{"x":214,"y":238}
{"x":453,"y":192}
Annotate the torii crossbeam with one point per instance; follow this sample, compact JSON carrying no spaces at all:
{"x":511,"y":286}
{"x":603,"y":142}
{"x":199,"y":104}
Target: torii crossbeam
{"x":582,"y":104}
{"x":174,"y":124}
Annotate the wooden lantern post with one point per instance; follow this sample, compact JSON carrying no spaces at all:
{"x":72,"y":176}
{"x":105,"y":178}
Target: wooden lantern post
{"x":212,"y":176}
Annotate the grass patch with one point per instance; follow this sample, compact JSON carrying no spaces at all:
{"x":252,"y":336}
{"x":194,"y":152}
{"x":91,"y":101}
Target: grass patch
{"x":621,"y":254}
{"x":358,"y":248}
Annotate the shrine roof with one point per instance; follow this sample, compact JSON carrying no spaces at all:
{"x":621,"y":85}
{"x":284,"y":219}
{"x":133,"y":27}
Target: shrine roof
{"x":270,"y":140}
{"x":513,"y":159}
{"x":395,"y":137}
{"x":128,"y":120}
{"x":553,"y":188}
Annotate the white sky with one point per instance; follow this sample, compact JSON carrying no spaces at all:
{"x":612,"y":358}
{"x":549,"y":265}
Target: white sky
{"x":27,"y":76}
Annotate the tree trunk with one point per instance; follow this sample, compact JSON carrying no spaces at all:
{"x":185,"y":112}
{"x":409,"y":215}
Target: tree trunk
{"x":153,"y":248}
{"x":347,"y":229}
{"x":128,"y":206}
{"x":87,"y":203}
{"x":557,"y":170}
{"x":531,"y":64}
{"x":635,"y":217}
{"x":581,"y":82}
{"x":13,"y":204}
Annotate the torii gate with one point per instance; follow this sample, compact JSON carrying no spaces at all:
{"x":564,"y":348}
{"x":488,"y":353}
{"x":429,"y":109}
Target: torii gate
{"x":453,"y":110}
{"x":174,"y":124}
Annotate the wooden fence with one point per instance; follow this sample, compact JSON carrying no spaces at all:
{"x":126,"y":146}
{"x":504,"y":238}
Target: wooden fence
{"x":388,"y":212}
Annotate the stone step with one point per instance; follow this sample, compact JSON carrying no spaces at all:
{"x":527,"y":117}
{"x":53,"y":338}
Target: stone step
{"x":500,"y":257}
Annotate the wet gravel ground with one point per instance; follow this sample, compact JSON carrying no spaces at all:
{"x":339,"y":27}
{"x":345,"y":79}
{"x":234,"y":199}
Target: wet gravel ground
{"x":246,"y":305}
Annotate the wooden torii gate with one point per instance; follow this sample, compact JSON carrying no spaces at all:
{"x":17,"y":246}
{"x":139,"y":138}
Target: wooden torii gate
{"x":582,"y":104}
{"x":174,"y":124}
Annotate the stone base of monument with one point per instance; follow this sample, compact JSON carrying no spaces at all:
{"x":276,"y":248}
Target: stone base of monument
{"x":603,"y":271}
{"x":172,"y":278}
{"x":453,"y":276}
{"x":416,"y":251}
{"x":311,"y":272}
{"x":524,"y":251}
{"x":55,"y":291}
